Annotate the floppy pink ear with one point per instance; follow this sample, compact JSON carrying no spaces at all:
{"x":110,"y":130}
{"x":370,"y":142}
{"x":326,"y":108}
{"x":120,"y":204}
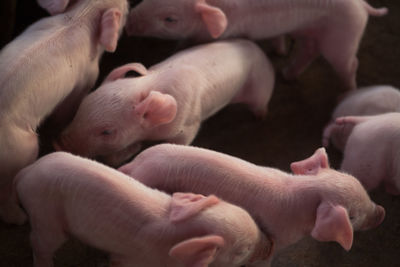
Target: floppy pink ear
{"x":120,"y":72}
{"x":186,"y":205}
{"x":197,"y":252}
{"x":312,"y":165}
{"x":333,"y":224}
{"x":156,"y":109}
{"x":214,"y":18}
{"x":54,"y":6}
{"x":109,"y":33}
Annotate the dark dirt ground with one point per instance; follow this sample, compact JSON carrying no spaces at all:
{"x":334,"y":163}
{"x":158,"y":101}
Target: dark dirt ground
{"x":292,"y":131}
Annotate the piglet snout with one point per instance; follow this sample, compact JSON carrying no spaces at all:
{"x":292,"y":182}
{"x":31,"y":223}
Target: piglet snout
{"x":376,"y":219}
{"x":379,"y":215}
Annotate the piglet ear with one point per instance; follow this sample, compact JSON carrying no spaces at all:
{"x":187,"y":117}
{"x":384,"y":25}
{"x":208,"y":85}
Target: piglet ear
{"x":120,"y":72}
{"x":213,"y":17}
{"x":156,"y":109}
{"x":54,"y":6}
{"x":186,"y":205}
{"x":333,"y":224}
{"x":197,"y":252}
{"x":312,"y":165}
{"x":109,"y":33}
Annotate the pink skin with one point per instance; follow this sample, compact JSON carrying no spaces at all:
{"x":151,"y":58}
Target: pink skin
{"x":330,"y":28}
{"x":169,"y":101}
{"x":317,"y":200}
{"x":370,"y":100}
{"x":70,"y":44}
{"x":66,"y":195}
{"x":54,"y":7}
{"x":371,"y":150}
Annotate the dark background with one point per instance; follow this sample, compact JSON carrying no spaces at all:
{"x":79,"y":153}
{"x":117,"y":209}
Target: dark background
{"x":292,"y":131}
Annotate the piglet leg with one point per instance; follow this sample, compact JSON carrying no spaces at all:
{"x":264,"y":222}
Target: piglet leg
{"x":45,"y":240}
{"x":339,"y":48}
{"x":306,"y":52}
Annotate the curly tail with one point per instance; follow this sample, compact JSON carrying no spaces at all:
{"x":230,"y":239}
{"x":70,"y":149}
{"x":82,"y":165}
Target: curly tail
{"x":376,"y":12}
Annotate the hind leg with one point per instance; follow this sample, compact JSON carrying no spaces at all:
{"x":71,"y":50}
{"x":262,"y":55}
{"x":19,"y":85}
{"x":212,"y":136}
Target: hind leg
{"x":261,"y":91}
{"x":10,"y":211}
{"x":346,"y":66}
{"x":339,"y":48}
{"x":46,"y":238}
{"x":20,"y":151}
{"x":257,"y":91}
{"x":305,"y":52}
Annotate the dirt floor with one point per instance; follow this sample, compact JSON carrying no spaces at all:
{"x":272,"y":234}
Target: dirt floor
{"x":292,"y":131}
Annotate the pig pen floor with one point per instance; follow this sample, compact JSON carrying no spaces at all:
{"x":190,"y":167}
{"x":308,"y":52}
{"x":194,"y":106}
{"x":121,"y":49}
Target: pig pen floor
{"x":292,"y":131}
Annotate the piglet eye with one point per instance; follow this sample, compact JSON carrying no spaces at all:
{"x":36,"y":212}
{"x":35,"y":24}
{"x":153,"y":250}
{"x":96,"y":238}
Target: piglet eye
{"x":106,"y":132}
{"x":170,"y":20}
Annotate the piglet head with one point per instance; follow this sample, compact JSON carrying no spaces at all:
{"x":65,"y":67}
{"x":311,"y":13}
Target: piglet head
{"x":176,"y":19}
{"x":344,"y":204}
{"x":111,"y":121}
{"x":232,"y":237}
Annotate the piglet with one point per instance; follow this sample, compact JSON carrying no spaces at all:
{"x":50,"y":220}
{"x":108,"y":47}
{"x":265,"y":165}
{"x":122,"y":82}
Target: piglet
{"x":49,"y":67}
{"x":330,"y":28}
{"x":371,"y":150}
{"x":169,"y":101}
{"x":317,"y":200}
{"x":66,"y":195}
{"x":371,"y":100}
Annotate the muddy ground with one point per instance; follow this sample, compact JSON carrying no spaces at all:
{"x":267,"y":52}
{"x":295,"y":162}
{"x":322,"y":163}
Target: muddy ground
{"x":292,"y":131}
